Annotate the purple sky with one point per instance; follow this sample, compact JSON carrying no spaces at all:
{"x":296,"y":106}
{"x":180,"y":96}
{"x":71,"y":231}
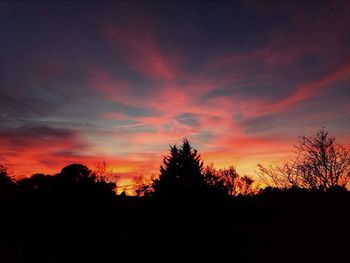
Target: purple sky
{"x":119,"y":82}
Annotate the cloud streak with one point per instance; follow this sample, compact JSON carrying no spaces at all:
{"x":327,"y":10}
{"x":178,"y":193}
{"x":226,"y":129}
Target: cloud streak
{"x":123,"y":83}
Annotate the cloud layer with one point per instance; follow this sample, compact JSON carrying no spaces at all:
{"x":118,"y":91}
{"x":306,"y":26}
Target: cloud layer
{"x":121,"y":81}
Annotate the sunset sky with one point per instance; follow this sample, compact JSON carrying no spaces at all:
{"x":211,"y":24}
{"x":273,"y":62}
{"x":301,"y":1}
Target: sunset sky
{"x":118,"y":82}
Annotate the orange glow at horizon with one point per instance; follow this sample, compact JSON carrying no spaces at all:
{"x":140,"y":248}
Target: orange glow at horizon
{"x":127,"y":169}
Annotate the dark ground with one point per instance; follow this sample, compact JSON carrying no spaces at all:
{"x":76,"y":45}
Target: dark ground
{"x":87,"y":226}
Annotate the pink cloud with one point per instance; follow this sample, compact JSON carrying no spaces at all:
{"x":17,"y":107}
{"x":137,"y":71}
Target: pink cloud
{"x":142,"y":51}
{"x":113,"y":90}
{"x":313,"y":89}
{"x":175,"y":92}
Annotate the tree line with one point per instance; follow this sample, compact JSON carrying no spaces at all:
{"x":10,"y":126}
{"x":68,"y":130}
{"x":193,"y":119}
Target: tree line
{"x":321,"y":164}
{"x":191,"y":211}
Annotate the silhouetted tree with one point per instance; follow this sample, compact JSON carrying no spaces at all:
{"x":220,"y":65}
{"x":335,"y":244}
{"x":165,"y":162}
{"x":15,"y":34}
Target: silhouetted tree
{"x":104,"y":173}
{"x":7,"y":185}
{"x":231,"y":180}
{"x":228,"y":181}
{"x":76,"y":173}
{"x":80,"y":180}
{"x":181,"y":172}
{"x":321,"y":164}
{"x":246,"y":187}
{"x":142,"y":186}
{"x":36,"y":182}
{"x":5,"y":179}
{"x":214,"y":180}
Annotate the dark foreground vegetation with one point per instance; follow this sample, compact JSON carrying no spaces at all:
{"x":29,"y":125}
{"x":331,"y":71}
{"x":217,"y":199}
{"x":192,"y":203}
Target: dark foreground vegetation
{"x":188,"y":213}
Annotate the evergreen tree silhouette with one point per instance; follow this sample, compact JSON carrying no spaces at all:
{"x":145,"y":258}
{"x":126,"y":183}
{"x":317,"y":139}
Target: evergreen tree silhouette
{"x":181,"y":172}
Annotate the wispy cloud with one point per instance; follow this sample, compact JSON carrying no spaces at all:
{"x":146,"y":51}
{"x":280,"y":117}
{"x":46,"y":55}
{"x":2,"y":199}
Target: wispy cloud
{"x":123,"y":83}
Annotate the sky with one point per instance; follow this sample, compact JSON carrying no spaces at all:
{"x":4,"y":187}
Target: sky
{"x":85,"y":82}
